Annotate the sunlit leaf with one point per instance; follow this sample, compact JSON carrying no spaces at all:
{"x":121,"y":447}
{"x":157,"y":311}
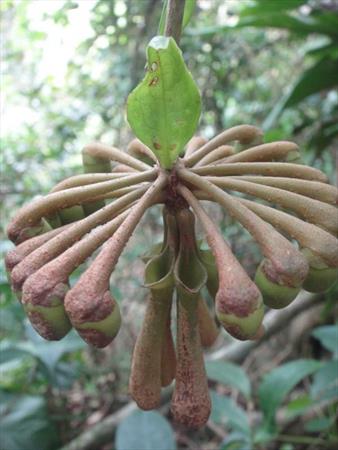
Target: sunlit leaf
{"x":165,"y":107}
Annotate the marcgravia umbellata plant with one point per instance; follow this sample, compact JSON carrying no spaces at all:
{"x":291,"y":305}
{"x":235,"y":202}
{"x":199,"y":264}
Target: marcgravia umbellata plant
{"x":166,"y":164}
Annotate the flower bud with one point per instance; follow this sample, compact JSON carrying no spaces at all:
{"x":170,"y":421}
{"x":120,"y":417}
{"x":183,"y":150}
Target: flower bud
{"x":42,"y":299}
{"x":275,"y":294}
{"x":321,"y":276}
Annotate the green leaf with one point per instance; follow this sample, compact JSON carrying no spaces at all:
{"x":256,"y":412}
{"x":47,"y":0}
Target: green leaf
{"x":325,"y":382}
{"x":328,"y":337}
{"x":322,"y":75}
{"x":319,"y":424}
{"x":298,"y":406}
{"x":225,"y":411}
{"x":268,"y":6}
{"x":229,"y":374}
{"x":278,"y":383}
{"x":24,"y":424}
{"x":188,"y":11}
{"x":146,"y":430}
{"x":236,"y":441}
{"x":164,"y":109}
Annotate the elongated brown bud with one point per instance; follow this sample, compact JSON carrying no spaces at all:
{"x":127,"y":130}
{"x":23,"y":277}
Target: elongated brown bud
{"x":145,"y":375}
{"x":190,"y":403}
{"x":272,"y":169}
{"x":146,"y":370}
{"x":273,"y":151}
{"x":245,"y":134}
{"x":168,"y":360}
{"x":208,"y":329}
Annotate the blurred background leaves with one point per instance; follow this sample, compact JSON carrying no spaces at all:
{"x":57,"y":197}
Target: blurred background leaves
{"x":67,"y":68}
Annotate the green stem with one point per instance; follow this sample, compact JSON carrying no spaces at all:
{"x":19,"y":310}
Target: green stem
{"x":263,"y":168}
{"x":242,"y":133}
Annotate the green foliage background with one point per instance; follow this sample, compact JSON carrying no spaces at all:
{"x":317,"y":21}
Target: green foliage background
{"x":273,"y":64}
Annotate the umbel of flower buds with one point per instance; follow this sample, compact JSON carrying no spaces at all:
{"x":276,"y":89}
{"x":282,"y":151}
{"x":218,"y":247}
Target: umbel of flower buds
{"x":97,"y":212}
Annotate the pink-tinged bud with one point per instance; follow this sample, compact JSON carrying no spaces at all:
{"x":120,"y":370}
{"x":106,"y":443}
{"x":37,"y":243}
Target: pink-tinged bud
{"x":42,"y":298}
{"x":95,"y":315}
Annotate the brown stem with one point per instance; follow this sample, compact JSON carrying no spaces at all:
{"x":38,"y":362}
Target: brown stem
{"x":15,"y":256}
{"x":97,"y":150}
{"x":308,"y":235}
{"x":30,"y":214}
{"x":263,"y":168}
{"x":174,"y":18}
{"x":219,"y":153}
{"x":312,"y":210}
{"x":290,"y":266}
{"x":280,"y":150}
{"x":242,"y":133}
{"x":237,"y":295}
{"x":194,"y":144}
{"x":40,"y":283}
{"x":93,"y":285}
{"x":68,"y":237}
{"x":136,"y":148}
{"x":85,"y":179}
{"x":324,"y":192}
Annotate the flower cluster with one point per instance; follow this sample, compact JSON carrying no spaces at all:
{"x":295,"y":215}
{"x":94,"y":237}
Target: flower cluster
{"x":56,"y":233}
